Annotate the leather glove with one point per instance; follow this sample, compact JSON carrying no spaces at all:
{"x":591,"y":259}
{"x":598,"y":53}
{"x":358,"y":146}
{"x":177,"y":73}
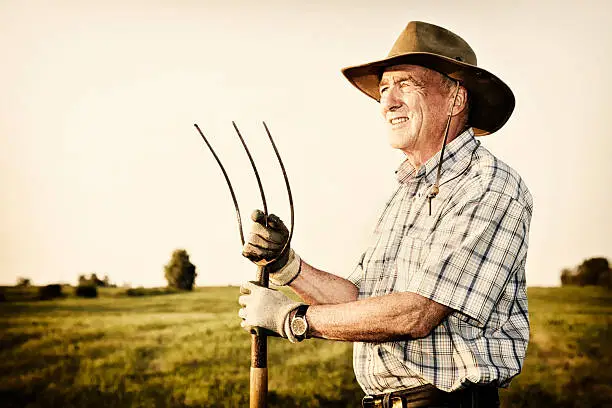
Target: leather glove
{"x":264,"y":244}
{"x":266,"y":308}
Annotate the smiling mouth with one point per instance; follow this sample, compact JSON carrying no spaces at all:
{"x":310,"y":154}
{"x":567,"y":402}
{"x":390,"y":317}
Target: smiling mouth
{"x":398,"y":121}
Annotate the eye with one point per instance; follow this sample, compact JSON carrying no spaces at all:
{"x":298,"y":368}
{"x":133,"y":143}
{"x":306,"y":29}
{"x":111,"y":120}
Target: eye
{"x":383,"y":89}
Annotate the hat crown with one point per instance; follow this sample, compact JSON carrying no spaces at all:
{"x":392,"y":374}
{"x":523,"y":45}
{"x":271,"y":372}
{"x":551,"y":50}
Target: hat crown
{"x":420,"y":37}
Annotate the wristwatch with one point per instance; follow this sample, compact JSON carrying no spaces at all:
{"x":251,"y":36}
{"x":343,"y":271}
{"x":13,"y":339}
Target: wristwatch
{"x":299,"y":324}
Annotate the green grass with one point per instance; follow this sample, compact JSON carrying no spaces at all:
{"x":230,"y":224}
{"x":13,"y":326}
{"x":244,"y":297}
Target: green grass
{"x":187,"y":350}
{"x":569,"y":359}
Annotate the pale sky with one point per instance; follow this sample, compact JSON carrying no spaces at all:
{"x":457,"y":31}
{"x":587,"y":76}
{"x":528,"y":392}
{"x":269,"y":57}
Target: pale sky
{"x":102,"y":170}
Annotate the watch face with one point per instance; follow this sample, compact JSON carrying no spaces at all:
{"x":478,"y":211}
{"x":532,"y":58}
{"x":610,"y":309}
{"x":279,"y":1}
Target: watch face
{"x":299,"y":326}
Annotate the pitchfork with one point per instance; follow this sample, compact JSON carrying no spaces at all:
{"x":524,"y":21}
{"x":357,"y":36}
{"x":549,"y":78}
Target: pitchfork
{"x":259,"y":344}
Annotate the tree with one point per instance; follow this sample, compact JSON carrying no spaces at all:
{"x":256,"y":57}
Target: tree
{"x":95,"y":280}
{"x":593,"y":271}
{"x":180,"y":272}
{"x":23,"y":282}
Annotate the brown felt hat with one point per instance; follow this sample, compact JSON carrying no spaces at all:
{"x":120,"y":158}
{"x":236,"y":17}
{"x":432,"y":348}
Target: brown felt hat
{"x":433,"y":47}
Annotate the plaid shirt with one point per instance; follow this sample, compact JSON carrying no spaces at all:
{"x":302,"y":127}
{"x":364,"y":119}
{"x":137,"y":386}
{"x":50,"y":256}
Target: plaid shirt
{"x":469,"y":255}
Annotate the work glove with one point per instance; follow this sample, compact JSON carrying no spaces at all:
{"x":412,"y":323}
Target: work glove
{"x":264,"y":244}
{"x":266,"y":308}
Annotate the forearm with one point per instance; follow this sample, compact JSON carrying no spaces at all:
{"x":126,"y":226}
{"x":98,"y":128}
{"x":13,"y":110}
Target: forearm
{"x":384,"y":318}
{"x":318,"y":287}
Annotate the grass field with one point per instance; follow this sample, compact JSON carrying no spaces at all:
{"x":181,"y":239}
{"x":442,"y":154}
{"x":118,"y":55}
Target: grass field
{"x":187,"y":350}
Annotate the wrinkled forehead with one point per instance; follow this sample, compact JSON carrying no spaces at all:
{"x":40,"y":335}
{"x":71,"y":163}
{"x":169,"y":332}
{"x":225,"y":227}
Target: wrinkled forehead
{"x":396,"y":73}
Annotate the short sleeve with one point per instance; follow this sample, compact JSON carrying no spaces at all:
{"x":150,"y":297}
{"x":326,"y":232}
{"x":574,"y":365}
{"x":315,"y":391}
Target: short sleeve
{"x":356,"y":275}
{"x":471,"y":255}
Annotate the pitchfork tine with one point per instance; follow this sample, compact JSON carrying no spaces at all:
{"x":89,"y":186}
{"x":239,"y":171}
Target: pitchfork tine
{"x":261,"y":190}
{"x":280,"y":161}
{"x":229,"y":184}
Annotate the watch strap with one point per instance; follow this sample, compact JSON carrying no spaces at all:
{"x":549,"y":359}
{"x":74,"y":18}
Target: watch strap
{"x":300,"y":313}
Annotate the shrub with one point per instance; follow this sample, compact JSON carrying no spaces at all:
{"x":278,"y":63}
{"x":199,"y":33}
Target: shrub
{"x":140,"y":291}
{"x":87,"y":291}
{"x":49,"y":292}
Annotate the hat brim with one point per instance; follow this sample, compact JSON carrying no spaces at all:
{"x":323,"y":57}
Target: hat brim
{"x":491,"y":100}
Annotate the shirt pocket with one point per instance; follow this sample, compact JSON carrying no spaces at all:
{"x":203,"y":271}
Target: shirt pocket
{"x":408,"y":261}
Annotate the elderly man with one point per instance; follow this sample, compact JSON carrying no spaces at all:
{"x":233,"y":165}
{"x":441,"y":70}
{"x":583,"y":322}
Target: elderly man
{"x":437,"y":305}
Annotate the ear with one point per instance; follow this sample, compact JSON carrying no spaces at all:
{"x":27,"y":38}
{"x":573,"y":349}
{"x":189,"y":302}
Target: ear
{"x":461,"y":103}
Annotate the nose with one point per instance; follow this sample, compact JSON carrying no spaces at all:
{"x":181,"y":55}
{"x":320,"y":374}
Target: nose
{"x":390,"y":101}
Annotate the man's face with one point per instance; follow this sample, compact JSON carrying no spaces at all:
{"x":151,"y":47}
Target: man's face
{"x":415,"y":104}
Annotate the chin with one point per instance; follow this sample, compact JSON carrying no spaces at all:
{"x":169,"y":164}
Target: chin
{"x":398,"y":141}
{"x":395,"y":144}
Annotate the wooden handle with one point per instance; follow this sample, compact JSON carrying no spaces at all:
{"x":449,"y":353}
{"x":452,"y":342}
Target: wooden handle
{"x":259,"y":382}
{"x":259,"y":357}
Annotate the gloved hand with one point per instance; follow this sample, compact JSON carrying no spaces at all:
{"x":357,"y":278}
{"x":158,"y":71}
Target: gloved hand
{"x":264,"y":244}
{"x":266,"y":308}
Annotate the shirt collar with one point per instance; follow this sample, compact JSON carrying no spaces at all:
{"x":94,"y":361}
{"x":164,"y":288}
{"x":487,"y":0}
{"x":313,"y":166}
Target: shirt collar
{"x":457,"y":150}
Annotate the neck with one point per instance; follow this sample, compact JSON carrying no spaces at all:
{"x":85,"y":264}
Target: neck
{"x":432,"y":145}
